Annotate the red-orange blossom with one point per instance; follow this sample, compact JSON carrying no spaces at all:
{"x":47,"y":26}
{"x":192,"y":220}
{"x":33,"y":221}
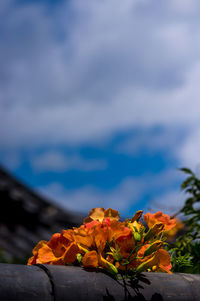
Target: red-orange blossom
{"x":105,"y":242}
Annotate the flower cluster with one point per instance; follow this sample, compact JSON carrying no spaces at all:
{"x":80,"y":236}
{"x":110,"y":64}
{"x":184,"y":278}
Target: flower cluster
{"x":105,"y":242}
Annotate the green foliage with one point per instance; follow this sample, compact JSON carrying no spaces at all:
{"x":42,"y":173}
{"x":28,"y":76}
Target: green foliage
{"x":2,"y":256}
{"x":185,"y":251}
{"x":11,"y":260}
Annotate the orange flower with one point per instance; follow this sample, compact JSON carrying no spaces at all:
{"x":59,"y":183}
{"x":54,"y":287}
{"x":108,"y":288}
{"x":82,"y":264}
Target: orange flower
{"x":140,"y":257}
{"x":58,"y":250}
{"x":121,"y":237}
{"x":173,"y":232}
{"x":70,"y":254}
{"x":45,"y":255}
{"x":58,"y":244}
{"x":42,"y":254}
{"x":99,"y":214}
{"x":102,"y":241}
{"x":90,"y":259}
{"x":152,"y":219}
{"x":90,"y":225}
{"x":160,"y":261}
{"x":164,"y":261}
{"x":54,"y":241}
{"x":111,"y":214}
{"x":84,"y":237}
{"x":126,"y":245}
{"x":33,"y":259}
{"x":66,"y":237}
{"x":142,"y":250}
{"x":118,"y":230}
{"x":101,"y":236}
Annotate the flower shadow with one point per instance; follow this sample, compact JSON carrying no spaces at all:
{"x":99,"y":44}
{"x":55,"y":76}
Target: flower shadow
{"x":131,"y":289}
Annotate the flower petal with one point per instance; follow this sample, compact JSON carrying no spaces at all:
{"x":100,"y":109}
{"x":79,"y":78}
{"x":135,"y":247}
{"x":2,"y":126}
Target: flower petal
{"x":45,"y":255}
{"x":54,"y":240}
{"x":152,"y":219}
{"x":70,"y":253}
{"x":97,"y":214}
{"x":39,"y":246}
{"x":90,"y":259}
{"x":112,"y":214}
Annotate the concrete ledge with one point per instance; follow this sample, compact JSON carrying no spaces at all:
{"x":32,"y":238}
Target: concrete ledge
{"x":63,"y":283}
{"x":24,"y":283}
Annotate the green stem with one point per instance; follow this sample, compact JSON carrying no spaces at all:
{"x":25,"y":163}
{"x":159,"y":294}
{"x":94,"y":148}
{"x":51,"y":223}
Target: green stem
{"x":126,"y":272}
{"x":136,"y":247}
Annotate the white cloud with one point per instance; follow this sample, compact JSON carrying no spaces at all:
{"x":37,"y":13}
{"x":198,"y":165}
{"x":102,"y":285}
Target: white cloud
{"x":170,"y":202}
{"x":85,"y":71}
{"x":190,"y":151}
{"x":184,"y":6}
{"x":85,"y":198}
{"x":58,"y":162}
{"x":124,"y":196}
{"x":152,"y":140}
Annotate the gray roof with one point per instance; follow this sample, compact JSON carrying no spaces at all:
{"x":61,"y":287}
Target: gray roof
{"x":26,"y":217}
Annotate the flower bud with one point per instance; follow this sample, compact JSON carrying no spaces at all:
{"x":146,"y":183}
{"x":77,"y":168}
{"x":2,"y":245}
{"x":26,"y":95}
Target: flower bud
{"x":153,"y":247}
{"x":137,"y":236}
{"x":112,"y":268}
{"x":142,"y":267}
{"x":137,"y":216}
{"x":79,"y":257}
{"x":135,"y":227}
{"x":156,"y":228}
{"x":147,"y":264}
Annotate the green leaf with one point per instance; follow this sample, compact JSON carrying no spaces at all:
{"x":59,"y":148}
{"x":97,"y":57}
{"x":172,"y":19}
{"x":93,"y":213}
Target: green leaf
{"x":186,"y":170}
{"x":187,"y":182}
{"x":79,"y":257}
{"x":186,"y":249}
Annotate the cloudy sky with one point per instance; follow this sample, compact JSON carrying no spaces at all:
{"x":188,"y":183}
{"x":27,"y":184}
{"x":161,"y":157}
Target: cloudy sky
{"x":99,"y":99}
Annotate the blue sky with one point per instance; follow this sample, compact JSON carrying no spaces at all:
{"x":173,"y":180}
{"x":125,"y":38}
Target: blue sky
{"x":99,"y":100}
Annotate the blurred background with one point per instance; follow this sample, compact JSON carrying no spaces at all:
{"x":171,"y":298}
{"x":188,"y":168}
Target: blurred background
{"x":99,"y":101}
